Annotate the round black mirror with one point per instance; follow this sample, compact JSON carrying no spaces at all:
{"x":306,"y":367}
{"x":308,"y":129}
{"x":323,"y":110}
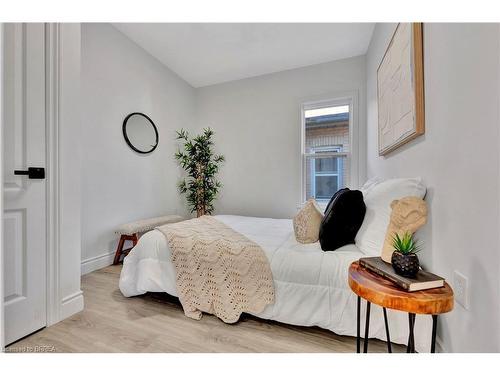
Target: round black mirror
{"x":140,"y":133}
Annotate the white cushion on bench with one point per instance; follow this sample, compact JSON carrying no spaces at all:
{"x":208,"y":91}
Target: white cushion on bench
{"x":145,"y":225}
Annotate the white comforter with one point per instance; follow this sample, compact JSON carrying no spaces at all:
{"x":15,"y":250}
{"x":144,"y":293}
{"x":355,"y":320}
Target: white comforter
{"x":311,"y":286}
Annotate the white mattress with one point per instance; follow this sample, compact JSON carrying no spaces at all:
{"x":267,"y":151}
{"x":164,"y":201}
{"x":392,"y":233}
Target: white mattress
{"x":311,"y":286}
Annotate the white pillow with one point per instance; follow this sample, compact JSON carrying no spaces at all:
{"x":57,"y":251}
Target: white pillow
{"x":368,"y":185}
{"x":378,"y":198}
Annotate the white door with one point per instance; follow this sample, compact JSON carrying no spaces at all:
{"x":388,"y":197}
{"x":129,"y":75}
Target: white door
{"x":24,"y":197}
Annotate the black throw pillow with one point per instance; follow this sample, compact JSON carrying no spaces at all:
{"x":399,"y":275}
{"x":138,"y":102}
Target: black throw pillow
{"x":344,"y":215}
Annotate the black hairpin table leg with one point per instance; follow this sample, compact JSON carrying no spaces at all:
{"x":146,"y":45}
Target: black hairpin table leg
{"x":434,"y":329}
{"x":411,"y":339}
{"x":367,"y":326}
{"x":358,"y":337}
{"x":389,"y":349}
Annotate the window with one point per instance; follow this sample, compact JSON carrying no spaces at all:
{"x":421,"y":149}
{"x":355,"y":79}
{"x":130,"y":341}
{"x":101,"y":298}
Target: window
{"x":326,"y":149}
{"x":326,"y":176}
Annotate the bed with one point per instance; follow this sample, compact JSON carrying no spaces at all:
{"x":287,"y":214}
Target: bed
{"x":311,"y":286}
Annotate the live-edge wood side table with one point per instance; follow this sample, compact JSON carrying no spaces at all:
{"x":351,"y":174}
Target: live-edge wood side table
{"x":382,"y":292}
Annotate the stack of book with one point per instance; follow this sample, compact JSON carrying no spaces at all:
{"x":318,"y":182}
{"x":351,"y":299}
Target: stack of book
{"x":423,"y":280}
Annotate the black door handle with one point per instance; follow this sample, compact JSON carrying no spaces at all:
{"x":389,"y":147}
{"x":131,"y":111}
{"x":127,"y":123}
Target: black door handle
{"x":34,"y":173}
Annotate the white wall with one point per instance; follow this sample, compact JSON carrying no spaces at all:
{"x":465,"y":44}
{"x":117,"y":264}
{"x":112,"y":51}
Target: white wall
{"x":119,"y":185}
{"x":458,"y":158}
{"x":257,"y":123}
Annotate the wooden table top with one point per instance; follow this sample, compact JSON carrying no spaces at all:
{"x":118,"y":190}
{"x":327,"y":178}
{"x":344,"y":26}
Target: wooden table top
{"x":382,"y":292}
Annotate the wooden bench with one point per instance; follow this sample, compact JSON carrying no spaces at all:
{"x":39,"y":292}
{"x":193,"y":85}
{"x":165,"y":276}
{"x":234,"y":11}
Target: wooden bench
{"x":130,"y":232}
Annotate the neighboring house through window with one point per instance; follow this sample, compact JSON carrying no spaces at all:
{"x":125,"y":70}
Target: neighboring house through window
{"x":325,"y":149}
{"x":326,"y":173}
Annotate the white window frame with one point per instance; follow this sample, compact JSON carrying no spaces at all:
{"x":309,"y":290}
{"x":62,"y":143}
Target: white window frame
{"x":326,"y":151}
{"x":337,"y":99}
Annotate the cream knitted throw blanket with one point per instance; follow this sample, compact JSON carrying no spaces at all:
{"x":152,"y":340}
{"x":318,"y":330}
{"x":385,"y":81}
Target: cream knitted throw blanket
{"x":219,"y":271}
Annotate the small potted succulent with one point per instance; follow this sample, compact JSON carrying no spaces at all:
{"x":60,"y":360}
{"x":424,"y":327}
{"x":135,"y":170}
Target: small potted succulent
{"x":404,"y":258}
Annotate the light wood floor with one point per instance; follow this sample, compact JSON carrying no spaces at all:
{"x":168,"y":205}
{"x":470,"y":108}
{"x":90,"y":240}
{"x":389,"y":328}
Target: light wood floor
{"x":156,"y":323}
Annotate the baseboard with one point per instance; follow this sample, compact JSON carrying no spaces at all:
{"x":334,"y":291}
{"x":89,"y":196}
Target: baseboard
{"x":97,"y":262}
{"x":71,"y":304}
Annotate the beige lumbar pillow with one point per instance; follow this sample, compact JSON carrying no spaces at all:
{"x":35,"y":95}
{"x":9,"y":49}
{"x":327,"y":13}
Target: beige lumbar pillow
{"x":408,"y":214}
{"x":307,"y":222}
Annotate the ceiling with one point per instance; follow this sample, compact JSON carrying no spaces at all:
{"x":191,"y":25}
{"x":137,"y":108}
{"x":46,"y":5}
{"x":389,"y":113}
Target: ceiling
{"x":209,"y":53}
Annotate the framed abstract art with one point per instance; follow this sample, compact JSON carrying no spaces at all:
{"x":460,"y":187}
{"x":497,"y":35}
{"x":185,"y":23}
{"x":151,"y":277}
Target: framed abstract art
{"x":400,"y":89}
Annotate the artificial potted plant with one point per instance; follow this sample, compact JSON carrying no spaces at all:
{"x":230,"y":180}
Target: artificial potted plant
{"x":404,"y":259}
{"x":201,"y":165}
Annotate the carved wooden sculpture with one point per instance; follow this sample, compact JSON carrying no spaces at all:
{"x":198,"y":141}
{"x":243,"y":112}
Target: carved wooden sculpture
{"x":408,"y":214}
